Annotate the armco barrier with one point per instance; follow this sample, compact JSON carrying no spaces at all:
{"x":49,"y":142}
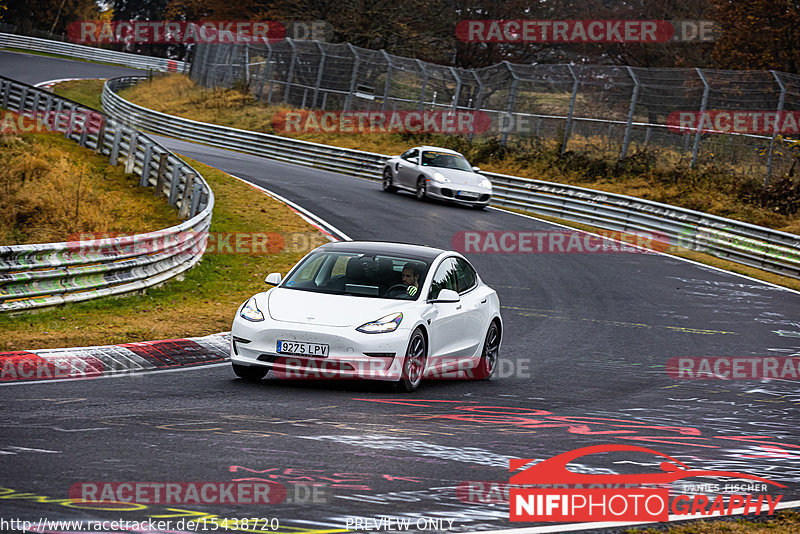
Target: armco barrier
{"x":34,"y":276}
{"x":9,"y":40}
{"x":756,"y":246}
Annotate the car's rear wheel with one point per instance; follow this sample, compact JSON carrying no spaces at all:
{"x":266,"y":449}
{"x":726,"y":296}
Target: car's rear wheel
{"x":414,"y":363}
{"x":422,"y":188}
{"x":251,"y":373}
{"x":388,"y":181}
{"x":490,"y":355}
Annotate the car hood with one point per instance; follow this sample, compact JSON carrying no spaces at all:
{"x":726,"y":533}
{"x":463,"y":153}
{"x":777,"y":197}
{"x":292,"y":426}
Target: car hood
{"x":458,"y":177}
{"x":297,"y":306}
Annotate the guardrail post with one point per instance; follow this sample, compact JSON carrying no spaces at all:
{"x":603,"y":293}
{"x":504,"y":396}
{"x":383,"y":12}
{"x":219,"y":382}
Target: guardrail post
{"x":348,"y":101}
{"x":195,"y":202}
{"x":162,"y":171}
{"x":148,"y":156}
{"x":512,"y":94}
{"x":113,"y":158}
{"x":70,"y":122}
{"x":290,"y":74}
{"x":175,"y":182}
{"x":388,"y":80}
{"x":131,"y":159}
{"x":48,"y":107}
{"x":781,"y":102}
{"x":424,"y":84}
{"x":696,"y":147}
{"x":631,"y":111}
{"x":84,"y":129}
{"x":320,"y":70}
{"x":568,"y":124}
{"x":187,"y":191}
{"x":23,"y":97}
{"x":6,"y":94}
{"x":101,"y":137}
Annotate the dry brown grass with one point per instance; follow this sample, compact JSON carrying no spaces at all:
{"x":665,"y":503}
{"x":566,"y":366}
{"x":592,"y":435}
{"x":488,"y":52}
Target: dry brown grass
{"x":50,"y":189}
{"x":203,"y":303}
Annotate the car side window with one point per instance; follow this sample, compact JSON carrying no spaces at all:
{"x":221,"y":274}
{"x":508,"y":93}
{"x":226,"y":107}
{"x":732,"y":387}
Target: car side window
{"x":310,"y":269}
{"x":466,"y":277}
{"x":410,"y":155}
{"x":445,"y":278}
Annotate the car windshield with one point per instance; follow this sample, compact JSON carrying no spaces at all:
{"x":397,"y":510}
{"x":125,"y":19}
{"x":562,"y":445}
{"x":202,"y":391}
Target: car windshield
{"x":360,"y":274}
{"x":445,"y":160}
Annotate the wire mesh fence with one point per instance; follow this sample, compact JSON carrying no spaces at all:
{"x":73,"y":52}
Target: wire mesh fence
{"x":613,"y":111}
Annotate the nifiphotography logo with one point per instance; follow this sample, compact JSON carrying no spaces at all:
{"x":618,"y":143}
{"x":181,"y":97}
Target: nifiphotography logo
{"x":626,"y":500}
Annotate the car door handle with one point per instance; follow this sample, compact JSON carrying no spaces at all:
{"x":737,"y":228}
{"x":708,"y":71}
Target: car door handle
{"x":458,"y":307}
{"x":483,"y":301}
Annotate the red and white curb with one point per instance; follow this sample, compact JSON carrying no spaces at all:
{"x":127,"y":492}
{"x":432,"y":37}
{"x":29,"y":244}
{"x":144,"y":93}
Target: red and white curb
{"x":94,"y":362}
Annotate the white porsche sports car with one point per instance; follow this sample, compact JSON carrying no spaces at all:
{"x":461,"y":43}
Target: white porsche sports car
{"x":383,"y":311}
{"x":437,"y":173}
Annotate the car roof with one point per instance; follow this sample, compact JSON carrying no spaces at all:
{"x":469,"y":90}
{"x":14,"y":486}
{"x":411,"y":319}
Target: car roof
{"x":422,"y":252}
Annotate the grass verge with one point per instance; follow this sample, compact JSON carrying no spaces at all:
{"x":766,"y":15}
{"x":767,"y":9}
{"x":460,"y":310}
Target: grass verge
{"x":51,"y":188}
{"x":783,"y":522}
{"x":204,"y":302}
{"x":87,"y":92}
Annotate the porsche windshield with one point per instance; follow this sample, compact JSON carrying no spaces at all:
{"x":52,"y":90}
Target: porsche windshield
{"x":364,"y":275}
{"x":445,"y":160}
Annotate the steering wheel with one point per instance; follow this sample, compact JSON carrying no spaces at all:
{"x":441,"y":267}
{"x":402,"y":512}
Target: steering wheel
{"x":398,"y":286}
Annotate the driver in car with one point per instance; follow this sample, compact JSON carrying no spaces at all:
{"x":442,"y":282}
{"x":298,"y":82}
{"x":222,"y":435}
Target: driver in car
{"x":410,"y":277}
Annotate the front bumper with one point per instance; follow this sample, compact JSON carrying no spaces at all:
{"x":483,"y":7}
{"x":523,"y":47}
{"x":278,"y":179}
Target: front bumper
{"x":464,"y":194}
{"x":351,"y":354}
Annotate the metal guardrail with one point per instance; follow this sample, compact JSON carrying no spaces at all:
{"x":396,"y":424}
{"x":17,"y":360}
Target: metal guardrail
{"x":33,"y":276}
{"x":341,"y":160}
{"x":756,"y":246}
{"x":8,"y":40}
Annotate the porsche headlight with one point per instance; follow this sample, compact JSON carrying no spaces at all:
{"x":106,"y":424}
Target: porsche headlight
{"x":251,"y":312}
{"x":439,"y":177}
{"x":486,"y":183}
{"x":389,"y":323}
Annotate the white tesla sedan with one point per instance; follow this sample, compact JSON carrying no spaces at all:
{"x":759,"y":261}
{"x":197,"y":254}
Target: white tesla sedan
{"x":438,"y":173}
{"x":383,"y":311}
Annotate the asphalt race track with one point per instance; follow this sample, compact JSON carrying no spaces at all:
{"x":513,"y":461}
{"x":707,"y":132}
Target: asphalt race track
{"x":586,"y":340}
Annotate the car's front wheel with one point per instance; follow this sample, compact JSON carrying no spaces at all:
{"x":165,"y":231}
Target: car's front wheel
{"x":388,"y":180}
{"x":251,"y":373}
{"x":490,"y":355}
{"x":422,"y":188}
{"x":414,"y":363}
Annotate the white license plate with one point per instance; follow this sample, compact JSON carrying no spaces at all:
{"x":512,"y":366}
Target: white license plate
{"x":467,"y":194}
{"x":300,"y":348}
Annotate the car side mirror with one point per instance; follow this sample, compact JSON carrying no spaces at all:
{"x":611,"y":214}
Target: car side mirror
{"x":273,"y":279}
{"x":476,"y":169}
{"x":447,"y":295}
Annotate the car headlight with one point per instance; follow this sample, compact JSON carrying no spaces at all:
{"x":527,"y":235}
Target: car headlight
{"x":486,"y":183}
{"x":251,"y":312}
{"x":439,"y":177}
{"x":389,"y":323}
